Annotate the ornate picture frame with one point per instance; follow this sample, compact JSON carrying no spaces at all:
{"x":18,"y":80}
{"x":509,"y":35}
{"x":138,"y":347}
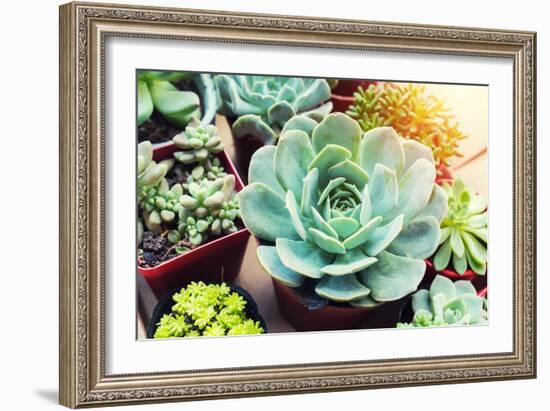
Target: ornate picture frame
{"x":84,"y":28}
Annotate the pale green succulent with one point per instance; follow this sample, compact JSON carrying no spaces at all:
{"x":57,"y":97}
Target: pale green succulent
{"x":262,"y":105}
{"x":447,"y":303}
{"x":356,"y":214}
{"x":463,"y":231}
{"x":161,"y":205}
{"x":197,"y":142}
{"x":149,"y":173}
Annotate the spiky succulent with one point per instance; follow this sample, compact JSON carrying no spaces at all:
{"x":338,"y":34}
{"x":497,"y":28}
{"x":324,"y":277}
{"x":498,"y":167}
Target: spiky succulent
{"x":447,"y":303}
{"x":262,"y":105}
{"x":355,"y":213}
{"x":463,"y":231}
{"x":412,"y":113}
{"x":156,"y":91}
{"x":197,"y":142}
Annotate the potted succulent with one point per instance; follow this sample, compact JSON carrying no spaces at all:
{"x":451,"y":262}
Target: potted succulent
{"x":210,"y":310}
{"x":413,"y":114}
{"x":349,"y":215}
{"x":258,"y":107}
{"x":168,"y":101}
{"x":343,"y":91}
{"x":446,"y":303}
{"x":189,"y":226}
{"x":462,"y":253}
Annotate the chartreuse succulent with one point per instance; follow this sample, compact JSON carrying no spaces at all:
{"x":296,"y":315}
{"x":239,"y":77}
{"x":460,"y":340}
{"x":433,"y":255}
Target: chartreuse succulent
{"x":197,"y":142}
{"x":447,"y":303}
{"x":262,"y":105}
{"x":355,"y":213}
{"x":207,"y":310}
{"x":463,"y":231}
{"x":156,"y":91}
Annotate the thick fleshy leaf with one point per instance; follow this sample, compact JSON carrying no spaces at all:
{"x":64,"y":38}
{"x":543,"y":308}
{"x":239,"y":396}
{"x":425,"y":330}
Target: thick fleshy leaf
{"x":264,"y":214}
{"x":232,"y":103}
{"x":474,"y":306}
{"x":478,"y":220}
{"x":393,"y":277}
{"x":279,"y":113}
{"x":344,"y":226}
{"x":302,"y":257}
{"x":363,"y":234}
{"x":251,"y":125}
{"x":419,"y":239}
{"x":478,"y":204}
{"x":421,"y":301}
{"x":292,"y":157}
{"x":145,"y":155}
{"x":415,"y":189}
{"x":322,"y":225}
{"x":327,"y":242}
{"x":464,"y":287}
{"x":363,"y":211}
{"x":341,"y":288}
{"x":144,"y":102}
{"x":292,"y":207}
{"x":351,"y":171}
{"x":383,"y":191}
{"x":327,"y":158}
{"x":437,"y":204}
{"x":383,"y":236}
{"x":310,"y":193}
{"x":460,"y":264}
{"x":178,"y":107}
{"x":365,"y":302}
{"x":442,"y":285}
{"x":316,"y":91}
{"x":270,"y":261}
{"x":478,"y":268}
{"x":338,"y":129}
{"x":381,"y":145}
{"x":413,"y":151}
{"x":262,"y":170}
{"x":300,"y":122}
{"x":332,"y":184}
{"x":457,"y":244}
{"x":351,"y":262}
{"x":477,"y":251}
{"x":443,"y":256}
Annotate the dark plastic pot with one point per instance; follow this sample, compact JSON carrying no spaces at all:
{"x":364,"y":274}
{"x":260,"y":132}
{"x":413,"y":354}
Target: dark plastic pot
{"x":165,"y":304}
{"x":215,"y":261}
{"x":332,"y":316}
{"x":244,"y":148}
{"x":342,"y":95}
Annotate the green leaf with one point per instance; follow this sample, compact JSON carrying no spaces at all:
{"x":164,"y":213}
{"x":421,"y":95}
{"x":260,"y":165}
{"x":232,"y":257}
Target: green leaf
{"x":316,"y":91}
{"x":478,"y":220}
{"x":383,"y":236}
{"x":365,"y":302}
{"x":302,"y":257}
{"x":393,"y":277}
{"x":421,"y":300}
{"x":292,"y":157}
{"x":178,"y":107}
{"x":338,"y":129}
{"x":262,"y":170}
{"x":442,"y":285}
{"x":443,"y":256}
{"x":279,"y":113}
{"x":460,"y":263}
{"x":363,"y":234}
{"x":344,"y":226}
{"x":337,"y":182}
{"x":326,"y":242}
{"x":310,"y":193}
{"x":437,"y":204}
{"x":474,"y":306}
{"x":381,"y":145}
{"x":341,"y":288}
{"x":251,"y":125}
{"x":144,"y":102}
{"x":364,"y":210}
{"x":270,"y":261}
{"x":477,"y":251}
{"x":264,"y":214}
{"x":351,"y":171}
{"x":383,"y":190}
{"x":456,"y":243}
{"x":302,"y":123}
{"x":478,"y":268}
{"x":351,"y":262}
{"x":415,"y":150}
{"x":464,"y":287}
{"x":328,"y":157}
{"x":418,"y":239}
{"x":478,"y":204}
{"x":322,"y":225}
{"x":445,"y":234}
{"x":292,"y":207}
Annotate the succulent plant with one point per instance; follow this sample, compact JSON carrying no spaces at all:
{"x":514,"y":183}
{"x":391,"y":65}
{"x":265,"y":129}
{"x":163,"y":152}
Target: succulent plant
{"x":149,"y":173}
{"x":197,"y":142}
{"x":156,"y":91}
{"x":354,"y":213}
{"x":161,"y":205}
{"x":463,"y":231}
{"x":412,"y":113}
{"x":208,"y":310}
{"x":262,"y":105}
{"x":447,"y":303}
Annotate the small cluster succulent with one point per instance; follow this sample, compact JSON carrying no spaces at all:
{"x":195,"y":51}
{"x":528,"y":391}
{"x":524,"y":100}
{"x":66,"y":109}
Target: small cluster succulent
{"x":198,"y":142}
{"x":261,"y":105}
{"x":355,"y":213}
{"x":156,"y":91}
{"x":412,"y":113}
{"x":447,"y":304}
{"x":161,"y":205}
{"x":207,"y":310}
{"x":463,"y":231}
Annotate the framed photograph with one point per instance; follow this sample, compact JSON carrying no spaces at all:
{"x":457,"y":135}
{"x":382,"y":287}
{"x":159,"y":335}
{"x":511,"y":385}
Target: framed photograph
{"x":260,"y":204}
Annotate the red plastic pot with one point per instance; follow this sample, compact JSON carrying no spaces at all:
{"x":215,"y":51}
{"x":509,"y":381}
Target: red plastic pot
{"x":215,"y":261}
{"x":479,"y":281}
{"x":443,"y":175}
{"x":342,"y":95}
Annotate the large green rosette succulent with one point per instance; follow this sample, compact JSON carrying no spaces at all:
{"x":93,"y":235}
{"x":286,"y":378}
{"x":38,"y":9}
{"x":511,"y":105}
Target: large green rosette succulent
{"x":262,"y":105}
{"x":354,"y":214}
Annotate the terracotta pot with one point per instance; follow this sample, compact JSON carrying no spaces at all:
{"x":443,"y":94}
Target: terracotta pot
{"x":215,"y":261}
{"x":332,"y":316}
{"x":342,"y":95}
{"x":164,"y":306}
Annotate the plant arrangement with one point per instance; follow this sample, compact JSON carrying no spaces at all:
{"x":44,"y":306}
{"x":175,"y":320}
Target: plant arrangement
{"x":463,"y":231}
{"x":168,"y":101}
{"x":186,"y":200}
{"x":447,"y":304}
{"x":413,"y":114}
{"x":261,"y":105}
{"x":351,"y":215}
{"x":207,"y":310}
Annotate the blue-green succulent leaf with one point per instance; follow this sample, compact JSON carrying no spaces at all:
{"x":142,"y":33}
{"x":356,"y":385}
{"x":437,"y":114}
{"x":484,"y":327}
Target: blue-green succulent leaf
{"x":351,"y":171}
{"x":365,"y":302}
{"x":279,"y":113}
{"x":415,"y":189}
{"x":341,"y":288}
{"x":310,"y":192}
{"x":477,"y":251}
{"x":383,"y":236}
{"x":329,"y":156}
{"x":261,"y":169}
{"x":302,"y":257}
{"x":351,"y":262}
{"x":339,"y":129}
{"x":419,"y":239}
{"x":251,"y":125}
{"x":464,"y":287}
{"x":178,"y":107}
{"x":363,"y":234}
{"x":437,"y":204}
{"x":327,"y":242}
{"x":300,"y":122}
{"x":332,"y":184}
{"x":415,"y":150}
{"x":381,"y":145}
{"x":457,"y":245}
{"x":322,"y":225}
{"x":292,"y":207}
{"x":383,"y":190}
{"x":317,"y":90}
{"x":344,"y":226}
{"x":421,"y":300}
{"x":270,"y":261}
{"x":479,"y":268}
{"x":442,"y":285}
{"x":474,"y":306}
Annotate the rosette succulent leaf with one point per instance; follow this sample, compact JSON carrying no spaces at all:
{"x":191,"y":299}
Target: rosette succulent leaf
{"x":355,"y":214}
{"x":463,"y":231}
{"x":447,"y":303}
{"x":262,"y":105}
{"x":197,"y":142}
{"x":150,"y":173}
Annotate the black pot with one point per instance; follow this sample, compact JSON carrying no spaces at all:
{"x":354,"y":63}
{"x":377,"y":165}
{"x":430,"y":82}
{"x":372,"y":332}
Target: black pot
{"x":164,"y":306}
{"x":406,"y":312}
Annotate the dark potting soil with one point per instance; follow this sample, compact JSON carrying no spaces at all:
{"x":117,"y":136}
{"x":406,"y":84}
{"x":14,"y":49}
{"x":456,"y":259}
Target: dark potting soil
{"x":155,"y":249}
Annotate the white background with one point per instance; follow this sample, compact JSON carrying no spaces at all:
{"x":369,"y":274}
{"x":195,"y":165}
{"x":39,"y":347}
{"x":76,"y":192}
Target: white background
{"x":28,"y":352}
